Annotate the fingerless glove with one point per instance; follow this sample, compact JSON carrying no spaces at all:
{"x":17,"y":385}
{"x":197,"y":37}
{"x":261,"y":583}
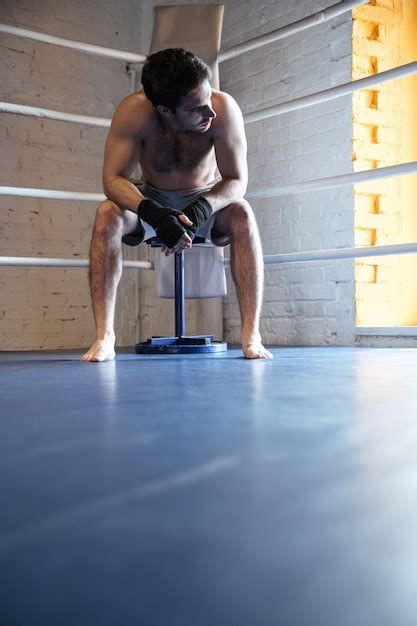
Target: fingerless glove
{"x":198,"y":212}
{"x":163,"y":220}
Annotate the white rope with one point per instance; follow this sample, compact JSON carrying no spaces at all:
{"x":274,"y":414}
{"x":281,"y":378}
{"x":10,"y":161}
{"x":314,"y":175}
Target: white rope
{"x":394,"y":331}
{"x":332,"y":93}
{"x":75,"y":45}
{"x":341,"y":253}
{"x":20,"y":109}
{"x":312,"y":20}
{"x":337,"y":254}
{"x":54,"y":262}
{"x":335,"y":181}
{"x":291,"y":29}
{"x":261,"y":114}
{"x":274,"y":259}
{"x":302,"y":186}
{"x":51,"y":194}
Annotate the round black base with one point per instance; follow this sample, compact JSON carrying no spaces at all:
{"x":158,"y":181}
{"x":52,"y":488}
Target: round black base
{"x":176,"y":348}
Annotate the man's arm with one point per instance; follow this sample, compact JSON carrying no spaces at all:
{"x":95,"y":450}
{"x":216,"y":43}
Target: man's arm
{"x":122,"y":153}
{"x":230,"y":148}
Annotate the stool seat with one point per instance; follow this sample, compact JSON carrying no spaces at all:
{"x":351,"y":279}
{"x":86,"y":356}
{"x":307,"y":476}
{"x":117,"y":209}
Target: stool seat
{"x":180,"y":343}
{"x":155,"y":242}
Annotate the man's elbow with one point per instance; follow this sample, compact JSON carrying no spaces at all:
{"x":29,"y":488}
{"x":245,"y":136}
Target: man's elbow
{"x":108,"y":181}
{"x":241,"y":185}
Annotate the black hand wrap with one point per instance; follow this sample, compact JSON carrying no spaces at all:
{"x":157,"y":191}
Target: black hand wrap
{"x":163,"y":220}
{"x":198,"y":212}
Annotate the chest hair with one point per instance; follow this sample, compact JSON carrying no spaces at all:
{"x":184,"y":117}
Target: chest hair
{"x":180,"y":151}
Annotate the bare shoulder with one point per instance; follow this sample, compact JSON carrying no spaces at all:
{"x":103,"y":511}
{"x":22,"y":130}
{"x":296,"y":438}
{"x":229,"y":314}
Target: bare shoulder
{"x":224,"y":104}
{"x":133,"y":114}
{"x":227,"y":110}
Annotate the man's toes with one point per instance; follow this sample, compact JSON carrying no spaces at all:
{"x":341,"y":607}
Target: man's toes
{"x":99,"y":352}
{"x":257,"y":353}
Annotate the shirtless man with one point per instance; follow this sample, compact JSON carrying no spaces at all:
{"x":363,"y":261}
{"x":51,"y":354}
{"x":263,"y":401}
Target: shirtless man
{"x":182,"y":132}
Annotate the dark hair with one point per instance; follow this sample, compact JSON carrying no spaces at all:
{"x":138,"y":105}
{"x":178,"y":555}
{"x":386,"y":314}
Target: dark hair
{"x":171,"y":74}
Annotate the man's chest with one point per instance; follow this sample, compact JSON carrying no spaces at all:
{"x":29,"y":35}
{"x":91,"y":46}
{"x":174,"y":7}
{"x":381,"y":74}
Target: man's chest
{"x":180,"y":151}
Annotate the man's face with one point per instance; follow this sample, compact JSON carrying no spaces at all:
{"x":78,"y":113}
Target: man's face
{"x":195,"y":112}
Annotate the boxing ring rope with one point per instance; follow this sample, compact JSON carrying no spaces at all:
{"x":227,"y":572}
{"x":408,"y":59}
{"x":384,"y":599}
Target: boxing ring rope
{"x":101,"y":51}
{"x":56,"y":262}
{"x":298,"y":103}
{"x":338,"y":254}
{"x":291,"y":29}
{"x":51,"y":114}
{"x":131,"y":57}
{"x":292,"y":105}
{"x":335,"y":254}
{"x":52,"y":194}
{"x":307,"y":185}
{"x":333,"y":92}
{"x":334,"y":181}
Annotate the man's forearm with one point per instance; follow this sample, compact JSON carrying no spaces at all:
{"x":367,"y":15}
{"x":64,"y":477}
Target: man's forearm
{"x":123,"y":193}
{"x":225,"y":192}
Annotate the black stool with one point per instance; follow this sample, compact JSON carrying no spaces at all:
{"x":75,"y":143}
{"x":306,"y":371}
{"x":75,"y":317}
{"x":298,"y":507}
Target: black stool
{"x":181,"y":343}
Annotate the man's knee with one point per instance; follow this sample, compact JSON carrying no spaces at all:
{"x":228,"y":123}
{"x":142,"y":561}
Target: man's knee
{"x":238,"y":216}
{"x":111,"y":220}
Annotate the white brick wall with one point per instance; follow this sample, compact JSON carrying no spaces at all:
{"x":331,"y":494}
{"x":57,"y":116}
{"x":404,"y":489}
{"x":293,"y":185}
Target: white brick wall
{"x":45,"y":307}
{"x":306,"y":304}
{"x":50,"y":308}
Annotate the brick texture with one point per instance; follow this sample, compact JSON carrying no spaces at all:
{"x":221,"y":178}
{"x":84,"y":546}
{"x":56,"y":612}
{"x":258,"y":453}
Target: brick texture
{"x":309,"y":304}
{"x":377,"y":143}
{"x":305,"y":304}
{"x":48,"y":308}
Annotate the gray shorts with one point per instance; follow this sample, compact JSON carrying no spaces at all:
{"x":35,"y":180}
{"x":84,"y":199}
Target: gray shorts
{"x":175,"y":199}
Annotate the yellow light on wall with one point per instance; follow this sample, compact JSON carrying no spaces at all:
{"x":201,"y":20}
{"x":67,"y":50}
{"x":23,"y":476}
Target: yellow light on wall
{"x":384,"y":295}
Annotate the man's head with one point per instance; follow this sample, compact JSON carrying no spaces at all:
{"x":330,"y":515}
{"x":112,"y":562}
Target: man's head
{"x":177,"y":84}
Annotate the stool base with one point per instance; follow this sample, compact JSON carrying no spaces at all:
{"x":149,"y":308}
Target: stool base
{"x":181,"y":345}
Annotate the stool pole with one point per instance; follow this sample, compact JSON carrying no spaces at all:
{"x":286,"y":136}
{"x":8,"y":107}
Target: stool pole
{"x":179,"y":295}
{"x":180,"y":344}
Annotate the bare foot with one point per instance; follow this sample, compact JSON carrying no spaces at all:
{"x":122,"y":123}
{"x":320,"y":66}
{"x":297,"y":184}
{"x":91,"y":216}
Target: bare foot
{"x":101,"y":350}
{"x":253,"y":348}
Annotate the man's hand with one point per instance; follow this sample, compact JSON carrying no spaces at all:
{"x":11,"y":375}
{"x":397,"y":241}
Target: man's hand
{"x":185,"y":240}
{"x":165,"y":222}
{"x":198,"y":212}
